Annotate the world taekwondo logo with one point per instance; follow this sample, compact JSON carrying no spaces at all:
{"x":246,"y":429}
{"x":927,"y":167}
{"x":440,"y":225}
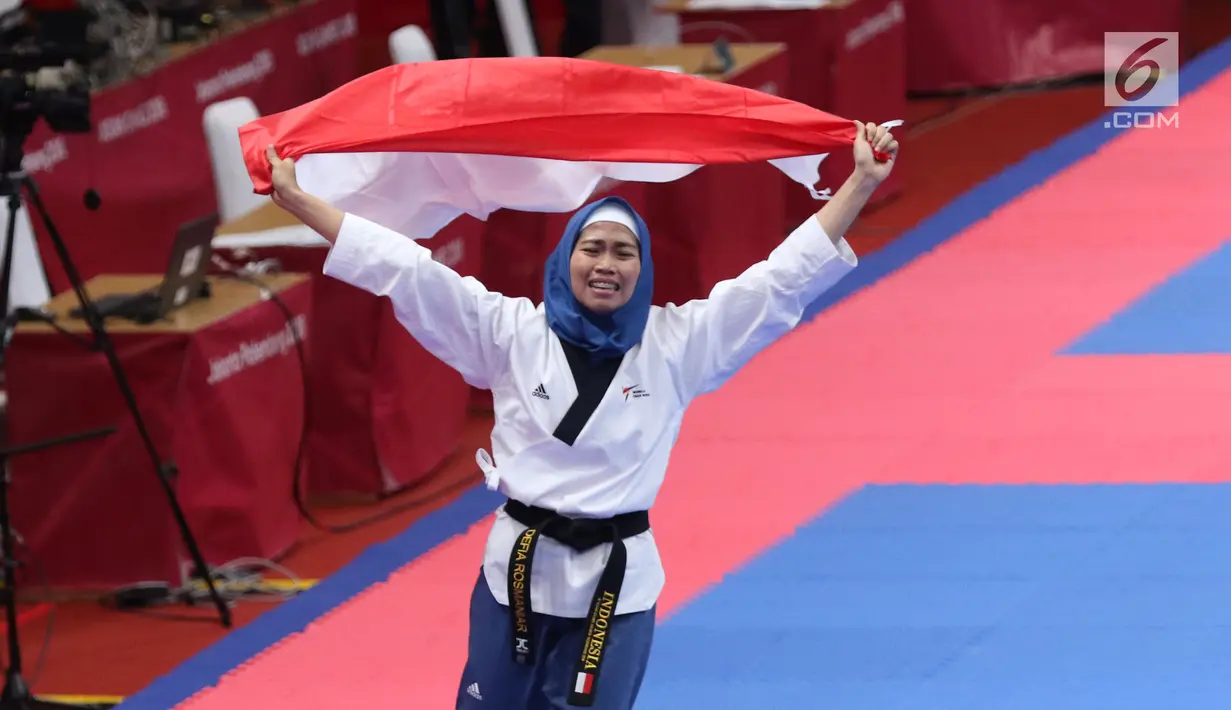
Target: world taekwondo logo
{"x":634,"y":391}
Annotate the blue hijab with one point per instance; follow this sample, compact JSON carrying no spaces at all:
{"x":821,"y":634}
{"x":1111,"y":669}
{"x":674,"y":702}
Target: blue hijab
{"x":603,"y":336}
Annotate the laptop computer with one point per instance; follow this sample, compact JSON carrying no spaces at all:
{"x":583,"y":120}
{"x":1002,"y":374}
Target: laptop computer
{"x":183,"y":281}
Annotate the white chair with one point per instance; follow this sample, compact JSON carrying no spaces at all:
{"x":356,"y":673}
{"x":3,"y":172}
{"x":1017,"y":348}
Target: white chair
{"x":518,"y":34}
{"x":409,"y":44}
{"x":637,"y":22}
{"x":232,"y":186}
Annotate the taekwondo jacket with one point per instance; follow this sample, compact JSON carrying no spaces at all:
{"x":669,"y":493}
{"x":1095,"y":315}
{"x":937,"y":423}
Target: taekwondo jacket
{"x":618,"y":461}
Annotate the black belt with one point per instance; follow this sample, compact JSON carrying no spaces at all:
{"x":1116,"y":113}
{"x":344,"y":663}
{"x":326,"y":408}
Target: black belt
{"x":580,"y":534}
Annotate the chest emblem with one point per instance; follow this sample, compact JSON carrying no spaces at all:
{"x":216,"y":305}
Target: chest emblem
{"x":635,"y":392}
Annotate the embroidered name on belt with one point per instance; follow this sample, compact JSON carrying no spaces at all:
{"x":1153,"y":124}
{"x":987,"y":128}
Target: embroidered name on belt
{"x":601,"y":615}
{"x":519,"y":596}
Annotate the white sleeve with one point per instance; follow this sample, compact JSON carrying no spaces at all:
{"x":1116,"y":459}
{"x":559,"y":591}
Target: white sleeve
{"x":708,"y":340}
{"x":454,"y":318}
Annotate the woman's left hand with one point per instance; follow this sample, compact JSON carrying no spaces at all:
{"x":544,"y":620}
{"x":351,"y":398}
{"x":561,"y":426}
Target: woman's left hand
{"x":869,"y":140}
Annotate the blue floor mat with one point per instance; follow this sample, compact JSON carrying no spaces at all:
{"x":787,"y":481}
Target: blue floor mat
{"x":970,"y":598}
{"x":1187,"y":314}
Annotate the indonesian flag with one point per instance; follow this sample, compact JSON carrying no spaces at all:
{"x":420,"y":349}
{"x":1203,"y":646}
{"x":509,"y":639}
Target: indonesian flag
{"x":413,"y":146}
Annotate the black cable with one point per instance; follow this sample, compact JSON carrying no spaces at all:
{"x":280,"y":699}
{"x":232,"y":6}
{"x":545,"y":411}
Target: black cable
{"x":289,"y":317}
{"x":297,"y":492}
{"x":35,"y":315}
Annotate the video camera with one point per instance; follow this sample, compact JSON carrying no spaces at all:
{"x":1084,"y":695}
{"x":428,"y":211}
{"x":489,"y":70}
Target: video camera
{"x":45,"y":52}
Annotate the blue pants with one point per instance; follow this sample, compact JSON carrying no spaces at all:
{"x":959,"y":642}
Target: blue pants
{"x":498,"y":681}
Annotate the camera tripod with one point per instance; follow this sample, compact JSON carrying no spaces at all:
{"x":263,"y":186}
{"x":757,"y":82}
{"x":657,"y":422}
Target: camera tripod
{"x":16,"y":695}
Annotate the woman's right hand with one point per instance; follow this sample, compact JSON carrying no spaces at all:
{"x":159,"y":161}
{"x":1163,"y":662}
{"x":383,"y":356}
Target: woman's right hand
{"x":286,"y":187}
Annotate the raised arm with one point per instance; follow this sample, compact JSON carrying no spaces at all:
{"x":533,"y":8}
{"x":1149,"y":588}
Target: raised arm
{"x":454,"y":318}
{"x":712,"y":338}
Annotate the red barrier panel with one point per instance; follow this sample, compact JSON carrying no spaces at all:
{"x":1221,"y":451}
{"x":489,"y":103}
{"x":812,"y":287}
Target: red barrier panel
{"x":383,"y":411}
{"x":219,"y":387}
{"x":960,"y":44}
{"x":847,"y":58}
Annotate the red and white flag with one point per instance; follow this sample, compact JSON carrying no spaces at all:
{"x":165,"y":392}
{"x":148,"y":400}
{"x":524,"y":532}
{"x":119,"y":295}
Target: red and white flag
{"x":413,"y":146}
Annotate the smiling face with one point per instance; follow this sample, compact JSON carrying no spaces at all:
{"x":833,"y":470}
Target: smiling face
{"x":604,"y":267}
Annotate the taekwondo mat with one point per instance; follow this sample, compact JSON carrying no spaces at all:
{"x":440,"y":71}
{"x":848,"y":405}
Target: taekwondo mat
{"x":987,"y":474}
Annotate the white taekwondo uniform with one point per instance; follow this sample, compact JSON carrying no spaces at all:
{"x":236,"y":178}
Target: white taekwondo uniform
{"x":617,"y":463}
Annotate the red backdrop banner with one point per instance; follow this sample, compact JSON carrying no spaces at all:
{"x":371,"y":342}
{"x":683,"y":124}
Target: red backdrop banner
{"x":147,"y":155}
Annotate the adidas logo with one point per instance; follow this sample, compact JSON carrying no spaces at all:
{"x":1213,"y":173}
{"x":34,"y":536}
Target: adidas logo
{"x":541,"y":392}
{"x":473,"y":691}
